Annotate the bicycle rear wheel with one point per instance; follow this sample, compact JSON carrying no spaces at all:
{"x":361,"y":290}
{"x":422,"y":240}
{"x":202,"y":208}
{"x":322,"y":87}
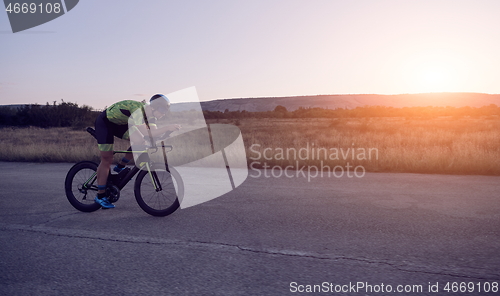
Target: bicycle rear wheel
{"x":81,"y":186}
{"x":158,"y":192}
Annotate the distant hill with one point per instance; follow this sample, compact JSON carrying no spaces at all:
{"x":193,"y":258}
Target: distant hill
{"x":342,"y":101}
{"x":348,"y":101}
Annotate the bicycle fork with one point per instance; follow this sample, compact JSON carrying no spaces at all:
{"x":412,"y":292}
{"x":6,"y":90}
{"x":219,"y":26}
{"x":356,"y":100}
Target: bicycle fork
{"x":154,"y":178}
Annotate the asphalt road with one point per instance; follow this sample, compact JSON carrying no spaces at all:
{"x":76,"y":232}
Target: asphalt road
{"x":270,"y":236}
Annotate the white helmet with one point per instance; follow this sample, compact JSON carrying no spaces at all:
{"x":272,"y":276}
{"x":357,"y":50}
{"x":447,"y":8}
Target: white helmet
{"x":160,"y":103}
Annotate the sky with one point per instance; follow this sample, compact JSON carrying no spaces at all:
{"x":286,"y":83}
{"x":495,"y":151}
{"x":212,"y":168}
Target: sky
{"x":102,"y":52}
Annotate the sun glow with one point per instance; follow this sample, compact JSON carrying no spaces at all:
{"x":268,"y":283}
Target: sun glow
{"x":435,"y":72}
{"x":435,"y":78}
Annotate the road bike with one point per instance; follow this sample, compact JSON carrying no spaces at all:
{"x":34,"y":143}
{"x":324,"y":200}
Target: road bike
{"x":157,"y":188}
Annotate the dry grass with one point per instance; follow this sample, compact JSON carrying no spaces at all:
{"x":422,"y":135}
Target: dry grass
{"x":49,"y":145}
{"x":440,"y":145}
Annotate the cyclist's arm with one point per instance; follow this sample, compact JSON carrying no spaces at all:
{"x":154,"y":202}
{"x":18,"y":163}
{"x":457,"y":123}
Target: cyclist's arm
{"x":157,"y":131}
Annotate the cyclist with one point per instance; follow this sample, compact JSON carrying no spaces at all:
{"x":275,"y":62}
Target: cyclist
{"x":114,"y":121}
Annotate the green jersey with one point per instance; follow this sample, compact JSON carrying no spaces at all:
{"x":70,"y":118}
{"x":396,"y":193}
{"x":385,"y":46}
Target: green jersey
{"x":119,"y":113}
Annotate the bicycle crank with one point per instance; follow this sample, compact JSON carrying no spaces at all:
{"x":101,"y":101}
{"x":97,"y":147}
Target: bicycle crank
{"x":113,"y":193}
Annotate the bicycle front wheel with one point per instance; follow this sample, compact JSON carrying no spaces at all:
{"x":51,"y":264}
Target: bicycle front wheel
{"x":158,"y":192}
{"x":81,"y":186}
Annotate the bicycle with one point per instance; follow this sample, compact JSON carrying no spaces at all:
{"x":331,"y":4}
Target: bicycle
{"x":157,"y":188}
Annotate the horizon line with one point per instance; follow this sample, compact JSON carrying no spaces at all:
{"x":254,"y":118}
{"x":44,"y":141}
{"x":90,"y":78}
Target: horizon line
{"x":354,"y":94}
{"x":298,"y":96}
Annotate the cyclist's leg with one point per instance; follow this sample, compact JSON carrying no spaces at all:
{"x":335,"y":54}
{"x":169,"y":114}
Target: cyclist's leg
{"x":124,"y":161}
{"x":104,"y":135}
{"x":128,"y":156}
{"x":122,"y":132}
{"x":103,"y":170}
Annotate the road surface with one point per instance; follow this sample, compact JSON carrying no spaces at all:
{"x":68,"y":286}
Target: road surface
{"x":270,"y":236}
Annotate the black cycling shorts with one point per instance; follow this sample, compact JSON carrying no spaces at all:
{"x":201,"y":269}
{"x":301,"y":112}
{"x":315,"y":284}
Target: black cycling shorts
{"x":106,"y":131}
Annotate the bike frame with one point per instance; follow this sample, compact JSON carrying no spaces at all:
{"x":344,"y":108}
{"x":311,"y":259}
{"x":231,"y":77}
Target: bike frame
{"x":122,"y":182}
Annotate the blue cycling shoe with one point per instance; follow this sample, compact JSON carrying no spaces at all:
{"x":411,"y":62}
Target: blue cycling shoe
{"x":118,"y":169}
{"x":104,"y":202}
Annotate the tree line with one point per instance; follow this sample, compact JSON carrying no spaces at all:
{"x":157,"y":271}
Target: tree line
{"x":66,"y":114}
{"x":63,"y":114}
{"x":366,"y":111}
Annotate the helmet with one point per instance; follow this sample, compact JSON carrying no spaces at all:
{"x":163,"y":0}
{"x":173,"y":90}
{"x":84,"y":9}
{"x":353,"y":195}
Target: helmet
{"x":160,"y":103}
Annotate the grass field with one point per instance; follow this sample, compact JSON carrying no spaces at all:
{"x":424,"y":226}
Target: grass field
{"x":439,"y":145}
{"x":49,"y":145}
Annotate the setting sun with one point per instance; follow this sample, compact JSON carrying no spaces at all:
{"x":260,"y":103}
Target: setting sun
{"x":434,"y":76}
{"x":435,"y":79}
{"x":434,"y":72}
